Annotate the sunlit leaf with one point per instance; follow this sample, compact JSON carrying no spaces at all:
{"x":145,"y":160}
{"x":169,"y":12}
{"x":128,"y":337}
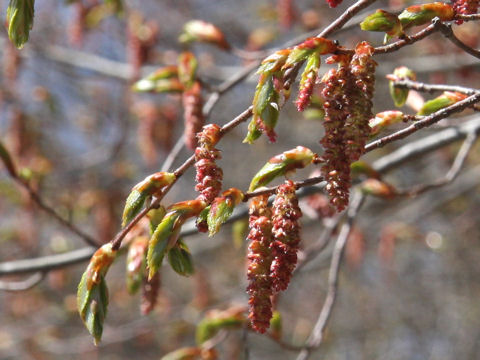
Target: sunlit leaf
{"x":282,"y":164}
{"x":92,"y":294}
{"x":20,"y":21}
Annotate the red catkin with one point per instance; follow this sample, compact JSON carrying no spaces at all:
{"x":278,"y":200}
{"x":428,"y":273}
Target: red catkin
{"x":193,"y":114}
{"x":360,"y":93}
{"x":259,"y":261}
{"x":209,"y":175}
{"x":336,"y":168}
{"x":286,"y":235}
{"x":306,"y":91}
{"x":465,"y":7}
{"x":334,"y":3}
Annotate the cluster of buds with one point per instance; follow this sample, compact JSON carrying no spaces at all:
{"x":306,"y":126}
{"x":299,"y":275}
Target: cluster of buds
{"x":348,"y":107}
{"x":209,"y":175}
{"x":286,"y":235}
{"x":259,"y":262}
{"x":465,"y":7}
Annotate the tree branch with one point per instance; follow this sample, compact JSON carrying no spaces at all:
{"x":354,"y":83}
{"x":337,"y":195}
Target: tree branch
{"x":426,"y":121}
{"x":316,"y":336}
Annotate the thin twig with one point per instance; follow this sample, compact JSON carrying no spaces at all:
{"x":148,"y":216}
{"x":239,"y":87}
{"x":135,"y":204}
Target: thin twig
{"x":426,"y":121}
{"x":316,"y":336}
{"x":451,"y":174}
{"x":410,"y":151}
{"x":51,"y":211}
{"x":446,"y":30}
{"x":22,"y":285}
{"x":419,"y":86}
{"x":173,"y":154}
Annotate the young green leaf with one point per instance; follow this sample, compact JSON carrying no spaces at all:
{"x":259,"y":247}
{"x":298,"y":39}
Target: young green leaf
{"x":446,"y":99}
{"x":216,"y":320}
{"x":383,"y":21}
{"x":166,"y":234}
{"x":384,"y":119}
{"x":222,"y":208}
{"x":20,"y":21}
{"x":92,"y":294}
{"x":282,"y":164}
{"x":180,"y":259}
{"x":150,"y":186}
{"x":422,"y":14}
{"x":155,"y":216}
{"x":399,"y":95}
{"x":164,"y":79}
{"x":312,"y":45}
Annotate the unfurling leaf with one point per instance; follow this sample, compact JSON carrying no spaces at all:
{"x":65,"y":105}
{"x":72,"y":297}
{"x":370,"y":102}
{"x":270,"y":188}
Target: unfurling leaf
{"x":265,"y":110}
{"x":20,"y":21}
{"x":136,"y":263}
{"x":155,"y":216}
{"x":7,"y":161}
{"x":187,"y":68}
{"x":216,"y":320}
{"x":274,"y":62}
{"x":446,"y":99}
{"x":180,"y":259}
{"x":398,"y":94}
{"x":422,"y":14}
{"x":282,"y":164}
{"x":166,"y":234}
{"x":199,"y":30}
{"x":312,"y":45}
{"x":383,"y":21}
{"x":378,"y":188}
{"x":222,"y":208}
{"x":164,"y":79}
{"x":92,"y":294}
{"x":151,"y":185}
{"x":385,"y":119}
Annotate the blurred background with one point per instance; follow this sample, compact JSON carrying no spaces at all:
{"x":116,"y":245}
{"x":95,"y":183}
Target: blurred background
{"x":409,"y":286}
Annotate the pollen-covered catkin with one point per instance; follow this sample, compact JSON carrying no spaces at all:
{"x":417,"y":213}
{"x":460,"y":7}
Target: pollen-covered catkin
{"x":286,"y":235}
{"x":259,"y":261}
{"x":209,"y":175}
